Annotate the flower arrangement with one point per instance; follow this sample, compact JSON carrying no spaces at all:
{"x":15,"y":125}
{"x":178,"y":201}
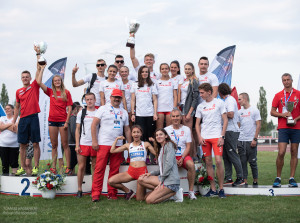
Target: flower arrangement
{"x":201,"y":177}
{"x":49,"y":181}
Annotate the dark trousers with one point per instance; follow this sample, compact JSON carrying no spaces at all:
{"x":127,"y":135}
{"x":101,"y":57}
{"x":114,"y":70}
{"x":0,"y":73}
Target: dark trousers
{"x":248,"y":154}
{"x":230,"y":155}
{"x":9,"y":157}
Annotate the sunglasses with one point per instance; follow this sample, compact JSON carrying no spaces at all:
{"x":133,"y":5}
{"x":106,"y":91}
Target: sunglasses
{"x":119,"y":61}
{"x":100,"y":64}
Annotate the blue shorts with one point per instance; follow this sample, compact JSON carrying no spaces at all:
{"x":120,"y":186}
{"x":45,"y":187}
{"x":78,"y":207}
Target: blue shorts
{"x":289,"y":135}
{"x":29,"y":128}
{"x":56,"y":124}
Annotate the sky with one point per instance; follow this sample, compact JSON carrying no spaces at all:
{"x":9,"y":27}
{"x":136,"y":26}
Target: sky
{"x":266,"y":34}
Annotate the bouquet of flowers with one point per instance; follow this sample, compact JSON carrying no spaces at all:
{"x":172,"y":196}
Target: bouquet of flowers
{"x":201,"y":177}
{"x":49,"y":181}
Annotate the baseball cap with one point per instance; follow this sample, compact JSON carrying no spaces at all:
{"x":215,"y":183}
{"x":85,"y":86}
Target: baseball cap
{"x":116,"y":93}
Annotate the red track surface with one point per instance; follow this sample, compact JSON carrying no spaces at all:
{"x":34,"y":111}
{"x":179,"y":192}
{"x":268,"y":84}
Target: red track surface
{"x":272,"y":148}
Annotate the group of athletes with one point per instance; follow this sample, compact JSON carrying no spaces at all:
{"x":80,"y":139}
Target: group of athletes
{"x":163,"y":116}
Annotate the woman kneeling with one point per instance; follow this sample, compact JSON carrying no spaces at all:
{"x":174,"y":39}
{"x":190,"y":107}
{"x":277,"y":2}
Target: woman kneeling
{"x":137,"y":152}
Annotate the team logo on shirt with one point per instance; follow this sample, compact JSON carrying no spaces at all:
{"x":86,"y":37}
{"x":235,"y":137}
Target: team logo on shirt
{"x":209,"y":109}
{"x":146,"y":90}
{"x":246,"y":115}
{"x":165,"y":85}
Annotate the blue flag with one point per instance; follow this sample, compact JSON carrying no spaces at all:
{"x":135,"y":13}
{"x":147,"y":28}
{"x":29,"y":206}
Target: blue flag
{"x":2,"y":111}
{"x":222,"y":65}
{"x":56,"y":68}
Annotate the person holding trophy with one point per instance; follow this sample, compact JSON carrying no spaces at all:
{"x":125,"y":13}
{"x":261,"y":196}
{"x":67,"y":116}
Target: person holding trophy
{"x":27,"y":102}
{"x":149,"y":58}
{"x":286,"y":107}
{"x":60,"y":100}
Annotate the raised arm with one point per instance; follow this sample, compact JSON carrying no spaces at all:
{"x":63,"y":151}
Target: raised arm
{"x":39,"y":76}
{"x":134,"y":60}
{"x":122,"y":148}
{"x":76,"y":83}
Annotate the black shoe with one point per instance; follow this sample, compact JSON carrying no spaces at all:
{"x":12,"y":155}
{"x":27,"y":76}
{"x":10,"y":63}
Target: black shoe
{"x":255,"y":184}
{"x":79,"y":194}
{"x":238,"y":182}
{"x":228,"y":182}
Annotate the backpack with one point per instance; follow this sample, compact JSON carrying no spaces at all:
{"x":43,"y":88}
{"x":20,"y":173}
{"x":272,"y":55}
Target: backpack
{"x":83,"y":114}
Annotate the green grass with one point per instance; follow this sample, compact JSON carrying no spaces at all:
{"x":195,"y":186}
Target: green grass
{"x":232,"y":209}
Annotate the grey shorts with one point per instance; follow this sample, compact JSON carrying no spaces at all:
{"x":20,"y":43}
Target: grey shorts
{"x":173,"y":187}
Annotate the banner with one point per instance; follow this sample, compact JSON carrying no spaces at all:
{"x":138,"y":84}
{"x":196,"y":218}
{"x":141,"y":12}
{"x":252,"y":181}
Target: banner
{"x":2,"y":111}
{"x":236,"y":97}
{"x":298,"y":105}
{"x":56,"y":68}
{"x":222,"y":65}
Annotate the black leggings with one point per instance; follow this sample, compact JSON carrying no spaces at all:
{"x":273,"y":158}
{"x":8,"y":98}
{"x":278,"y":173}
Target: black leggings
{"x":9,"y":157}
{"x":148,"y":126}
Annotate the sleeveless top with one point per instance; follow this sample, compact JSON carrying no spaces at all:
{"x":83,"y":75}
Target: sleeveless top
{"x":137,"y":153}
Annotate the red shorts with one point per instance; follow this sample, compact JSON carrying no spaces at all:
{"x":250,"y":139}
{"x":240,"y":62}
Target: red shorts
{"x":212,"y":143}
{"x":136,"y":172}
{"x":87,"y":151}
{"x":185,"y":160}
{"x":164,"y":113}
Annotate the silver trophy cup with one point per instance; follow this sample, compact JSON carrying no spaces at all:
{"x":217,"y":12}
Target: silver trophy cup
{"x":43,"y":47}
{"x":289,"y":105}
{"x":133,"y":28}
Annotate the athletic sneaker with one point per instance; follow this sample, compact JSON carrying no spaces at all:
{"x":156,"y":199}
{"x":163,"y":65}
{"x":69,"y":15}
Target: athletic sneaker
{"x":178,"y":197}
{"x":95,"y":198}
{"x":68,"y":171}
{"x":211,"y":193}
{"x":228,"y":182}
{"x":222,"y":193}
{"x":292,"y":183}
{"x":238,"y":182}
{"x":192,"y":195}
{"x":79,"y":194}
{"x":113,"y":197}
{"x":20,"y":171}
{"x":277,"y":182}
{"x":34,"y":171}
{"x":255,"y":184}
{"x":129,"y":195}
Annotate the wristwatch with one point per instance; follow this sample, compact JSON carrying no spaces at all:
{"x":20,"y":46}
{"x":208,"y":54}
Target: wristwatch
{"x":223,"y":137}
{"x":255,"y":139}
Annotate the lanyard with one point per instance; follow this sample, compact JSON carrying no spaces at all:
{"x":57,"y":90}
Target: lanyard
{"x":176,"y":138}
{"x":116,"y":115}
{"x":285,"y":101}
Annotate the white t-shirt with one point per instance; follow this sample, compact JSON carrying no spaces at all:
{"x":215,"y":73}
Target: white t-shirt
{"x":211,"y":115}
{"x":180,"y":136}
{"x":207,"y":78}
{"x":86,"y":135}
{"x":154,"y":75}
{"x":177,"y":79}
{"x":95,"y":88}
{"x":127,"y":88}
{"x":112,"y":121}
{"x":183,"y":90}
{"x":7,"y":137}
{"x":231,"y":106}
{"x":165,"y":96}
{"x":247,"y":118}
{"x":107,"y":87}
{"x":143,"y":99}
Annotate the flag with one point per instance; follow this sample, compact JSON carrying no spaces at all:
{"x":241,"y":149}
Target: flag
{"x":235,"y":95}
{"x":56,"y":68}
{"x":222,"y":65}
{"x":2,"y":111}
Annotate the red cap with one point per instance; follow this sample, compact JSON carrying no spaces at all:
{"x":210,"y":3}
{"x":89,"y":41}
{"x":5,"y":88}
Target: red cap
{"x":117,"y":93}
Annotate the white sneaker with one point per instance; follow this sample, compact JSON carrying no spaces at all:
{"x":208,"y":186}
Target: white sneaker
{"x":192,"y":195}
{"x":178,"y":197}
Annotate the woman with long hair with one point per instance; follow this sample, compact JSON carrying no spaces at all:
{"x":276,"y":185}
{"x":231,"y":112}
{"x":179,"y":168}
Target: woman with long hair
{"x":9,"y":146}
{"x":144,"y":102}
{"x":164,"y":182}
{"x":175,"y":72}
{"x":60,"y":102}
{"x":137,"y":152}
{"x":188,"y":97}
{"x":166,"y":97}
